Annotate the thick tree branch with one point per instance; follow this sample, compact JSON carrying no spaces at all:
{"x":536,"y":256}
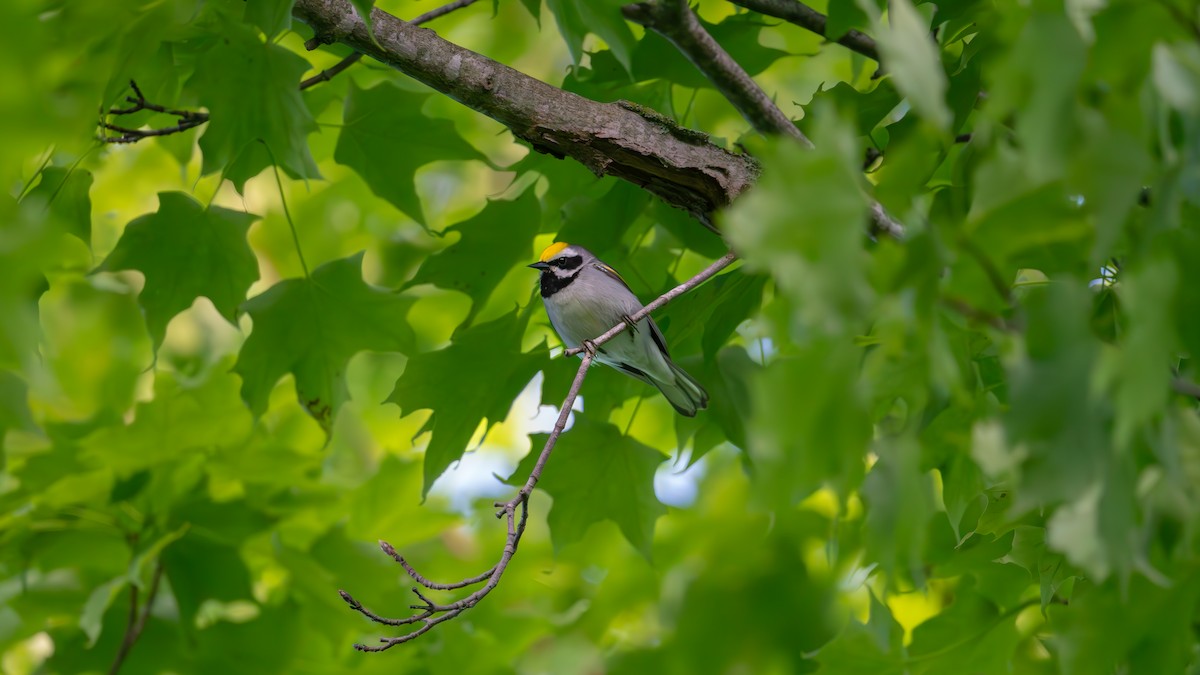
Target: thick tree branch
{"x":329,"y":73}
{"x":623,"y":140}
{"x":810,"y":19}
{"x":432,"y":613}
{"x":675,"y":21}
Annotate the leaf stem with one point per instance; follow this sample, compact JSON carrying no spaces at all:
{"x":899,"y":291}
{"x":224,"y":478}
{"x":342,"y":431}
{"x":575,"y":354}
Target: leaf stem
{"x":287,"y":212}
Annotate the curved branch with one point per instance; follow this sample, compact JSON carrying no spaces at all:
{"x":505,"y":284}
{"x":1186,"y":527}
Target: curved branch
{"x":674,"y":20}
{"x":811,"y":20}
{"x":432,"y":613}
{"x":679,"y":165}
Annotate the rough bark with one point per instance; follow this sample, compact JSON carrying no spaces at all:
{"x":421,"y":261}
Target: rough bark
{"x":679,"y":165}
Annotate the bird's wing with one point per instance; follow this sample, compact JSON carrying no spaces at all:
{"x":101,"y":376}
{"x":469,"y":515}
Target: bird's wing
{"x":612,"y":274}
{"x":655,"y":333}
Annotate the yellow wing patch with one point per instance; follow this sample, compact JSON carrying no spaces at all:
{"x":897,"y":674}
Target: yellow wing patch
{"x":611,"y":272}
{"x":553,"y":250}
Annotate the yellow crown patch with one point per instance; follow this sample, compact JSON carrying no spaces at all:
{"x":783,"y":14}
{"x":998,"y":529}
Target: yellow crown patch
{"x":553,"y":250}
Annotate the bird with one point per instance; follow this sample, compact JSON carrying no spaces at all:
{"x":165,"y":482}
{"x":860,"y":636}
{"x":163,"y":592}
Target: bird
{"x":585,"y":297}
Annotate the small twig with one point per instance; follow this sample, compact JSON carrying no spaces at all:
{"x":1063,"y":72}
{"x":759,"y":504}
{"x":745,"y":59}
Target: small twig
{"x":675,"y":21}
{"x":328,"y":74}
{"x":441,"y":11}
{"x":137,"y":620}
{"x":190,"y":119}
{"x":431,"y":613}
{"x":811,"y":20}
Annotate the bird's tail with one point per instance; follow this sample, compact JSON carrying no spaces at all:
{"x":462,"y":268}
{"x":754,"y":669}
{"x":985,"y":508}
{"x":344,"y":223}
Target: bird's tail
{"x":684,"y":393}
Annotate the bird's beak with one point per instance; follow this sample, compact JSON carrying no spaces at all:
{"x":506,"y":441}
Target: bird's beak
{"x":540,"y":266}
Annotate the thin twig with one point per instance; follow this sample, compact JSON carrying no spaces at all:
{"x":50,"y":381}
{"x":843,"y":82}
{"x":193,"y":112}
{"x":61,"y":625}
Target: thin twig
{"x":660,"y":301}
{"x":811,"y":20}
{"x":137,"y":620}
{"x":328,"y":74}
{"x":190,"y":119}
{"x":431,"y":613}
{"x":675,"y":21}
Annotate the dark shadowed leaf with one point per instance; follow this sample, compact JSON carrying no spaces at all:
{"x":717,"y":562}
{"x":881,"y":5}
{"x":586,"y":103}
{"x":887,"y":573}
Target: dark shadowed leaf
{"x":310,"y":328}
{"x":473,"y":380}
{"x":185,"y":252}
{"x":386,"y":138}
{"x":597,"y":473}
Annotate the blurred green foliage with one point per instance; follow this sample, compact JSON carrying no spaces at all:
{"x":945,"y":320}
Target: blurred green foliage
{"x":233,"y":358}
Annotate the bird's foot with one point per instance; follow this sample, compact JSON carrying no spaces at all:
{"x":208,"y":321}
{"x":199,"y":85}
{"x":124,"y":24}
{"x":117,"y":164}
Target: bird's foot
{"x":628,"y":321}
{"x":589,"y":347}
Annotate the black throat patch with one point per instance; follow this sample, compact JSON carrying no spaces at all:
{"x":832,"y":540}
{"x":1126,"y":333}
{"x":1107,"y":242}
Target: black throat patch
{"x":552,"y":283}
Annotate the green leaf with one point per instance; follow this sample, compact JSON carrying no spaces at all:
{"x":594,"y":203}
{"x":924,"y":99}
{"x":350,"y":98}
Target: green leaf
{"x":187,"y":251}
{"x":1142,"y":386}
{"x":707,"y":316}
{"x":14,"y":405}
{"x":271,"y":16}
{"x":310,"y":328}
{"x":596,"y":473}
{"x":911,"y":57}
{"x":813,"y":253}
{"x":1062,"y":436}
{"x":203,"y":568}
{"x":656,"y":58}
{"x":1145,"y":626}
{"x":257,"y":118}
{"x":1177,"y":75}
{"x":473,"y":380}
{"x":873,"y":648}
{"x":196,"y":416}
{"x":65,"y":195}
{"x":899,"y":501}
{"x":363,"y":9}
{"x":577,"y":18}
{"x":490,"y":245}
{"x":970,"y":636}
{"x":868,"y":108}
{"x":91,"y":621}
{"x":842,"y":16}
{"x":827,"y":412}
{"x":386,"y":138}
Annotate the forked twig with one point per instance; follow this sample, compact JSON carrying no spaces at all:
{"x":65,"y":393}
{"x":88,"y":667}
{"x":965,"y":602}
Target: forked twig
{"x":432,"y":613}
{"x":190,"y":119}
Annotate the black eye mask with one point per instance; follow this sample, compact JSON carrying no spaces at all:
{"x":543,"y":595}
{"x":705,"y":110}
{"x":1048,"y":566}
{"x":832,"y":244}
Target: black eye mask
{"x":568,"y":263}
